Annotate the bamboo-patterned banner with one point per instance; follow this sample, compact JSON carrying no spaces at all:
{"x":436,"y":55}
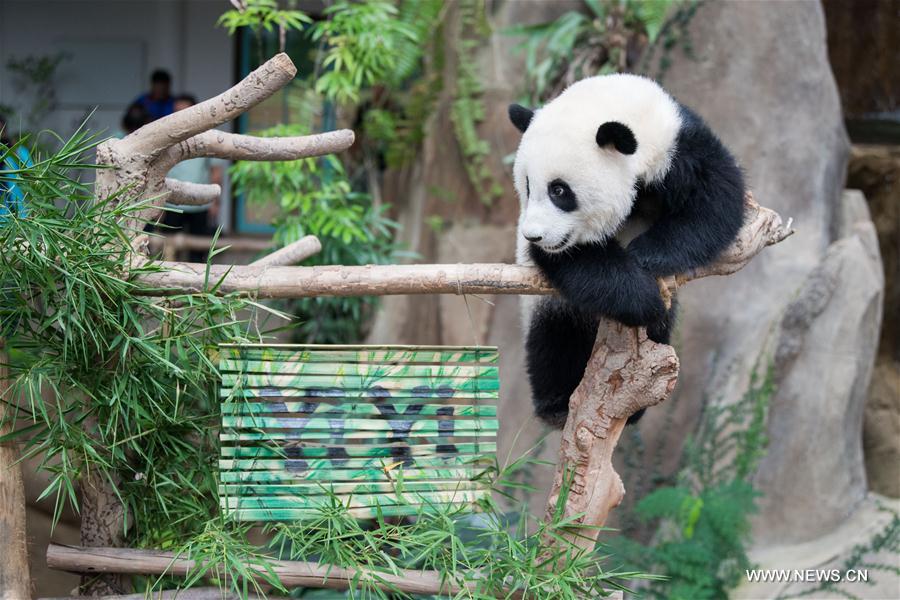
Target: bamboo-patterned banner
{"x":381,"y":429}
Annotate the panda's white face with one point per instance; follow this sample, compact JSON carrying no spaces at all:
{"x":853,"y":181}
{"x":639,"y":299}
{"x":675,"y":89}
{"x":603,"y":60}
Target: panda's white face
{"x":582,"y":154}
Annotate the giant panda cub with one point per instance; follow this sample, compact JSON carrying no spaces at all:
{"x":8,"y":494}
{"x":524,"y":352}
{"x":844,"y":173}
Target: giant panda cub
{"x":619,"y":184}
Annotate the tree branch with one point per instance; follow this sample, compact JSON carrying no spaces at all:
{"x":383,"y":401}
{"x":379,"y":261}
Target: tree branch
{"x":186,"y":193}
{"x":273,"y":75}
{"x":369,"y":280}
{"x":233,"y":146}
{"x":290,"y":573}
{"x":196,"y":593}
{"x":142,"y":159}
{"x":291,"y":254}
{"x":762,"y":228}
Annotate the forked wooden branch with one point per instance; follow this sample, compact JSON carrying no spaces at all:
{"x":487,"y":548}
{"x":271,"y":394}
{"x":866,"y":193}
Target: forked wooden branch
{"x":142,"y":159}
{"x":628,"y":372}
{"x":139,"y":164}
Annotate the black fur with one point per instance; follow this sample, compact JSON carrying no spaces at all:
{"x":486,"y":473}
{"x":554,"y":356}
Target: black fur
{"x":557,"y":347}
{"x":697,"y":209}
{"x":617,"y":134}
{"x":700,"y":204}
{"x":520,"y":116}
{"x":603,"y":280}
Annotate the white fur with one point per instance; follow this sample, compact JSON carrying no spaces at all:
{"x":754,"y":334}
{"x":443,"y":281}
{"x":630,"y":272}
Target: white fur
{"x":560,"y":142}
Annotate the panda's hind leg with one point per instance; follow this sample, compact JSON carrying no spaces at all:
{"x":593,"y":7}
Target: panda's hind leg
{"x":559,"y":343}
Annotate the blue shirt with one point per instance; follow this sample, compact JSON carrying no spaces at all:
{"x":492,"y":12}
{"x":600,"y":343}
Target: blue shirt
{"x":156,"y":108}
{"x":12,"y":198}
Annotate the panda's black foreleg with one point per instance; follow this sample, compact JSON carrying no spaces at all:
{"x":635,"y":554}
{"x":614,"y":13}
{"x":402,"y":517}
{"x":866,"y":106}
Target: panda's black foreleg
{"x":661,"y":331}
{"x":604,"y":280}
{"x":559,"y":343}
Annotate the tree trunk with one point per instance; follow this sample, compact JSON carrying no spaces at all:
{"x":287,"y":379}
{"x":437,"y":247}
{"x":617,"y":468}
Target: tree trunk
{"x":103,"y":525}
{"x":15,"y":583}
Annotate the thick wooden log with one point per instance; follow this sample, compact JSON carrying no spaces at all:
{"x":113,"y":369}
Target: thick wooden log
{"x":102,"y":524}
{"x":15,"y":583}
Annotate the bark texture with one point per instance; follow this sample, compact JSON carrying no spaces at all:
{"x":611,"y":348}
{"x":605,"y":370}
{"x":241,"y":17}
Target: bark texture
{"x":15,"y":583}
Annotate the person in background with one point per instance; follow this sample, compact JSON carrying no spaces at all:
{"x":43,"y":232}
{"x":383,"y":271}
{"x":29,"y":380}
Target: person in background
{"x":158,"y":102}
{"x":195,"y":220}
{"x":134,"y":118}
{"x":12,"y":198}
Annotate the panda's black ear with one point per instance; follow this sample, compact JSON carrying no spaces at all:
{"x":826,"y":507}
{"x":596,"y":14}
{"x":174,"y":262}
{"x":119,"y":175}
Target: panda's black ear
{"x":617,"y":134}
{"x":520,"y":116}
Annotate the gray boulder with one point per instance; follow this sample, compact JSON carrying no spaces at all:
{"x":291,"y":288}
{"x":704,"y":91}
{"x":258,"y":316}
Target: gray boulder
{"x":760,"y":77}
{"x":813,"y":475}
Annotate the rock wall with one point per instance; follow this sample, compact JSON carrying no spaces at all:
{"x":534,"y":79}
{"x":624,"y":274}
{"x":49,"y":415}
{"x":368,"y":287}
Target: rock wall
{"x":813,"y":475}
{"x":876,"y":171}
{"x":759,"y":74}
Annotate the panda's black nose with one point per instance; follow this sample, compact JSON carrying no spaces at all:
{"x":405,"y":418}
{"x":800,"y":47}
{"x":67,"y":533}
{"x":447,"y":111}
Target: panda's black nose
{"x":534,"y":238}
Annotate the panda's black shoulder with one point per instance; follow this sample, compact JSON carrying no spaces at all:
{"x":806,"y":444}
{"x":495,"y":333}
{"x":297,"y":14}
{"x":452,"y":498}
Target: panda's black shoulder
{"x":699,"y":158}
{"x":699,"y":152}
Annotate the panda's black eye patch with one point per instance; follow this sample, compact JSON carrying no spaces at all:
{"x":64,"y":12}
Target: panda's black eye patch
{"x":562,"y":195}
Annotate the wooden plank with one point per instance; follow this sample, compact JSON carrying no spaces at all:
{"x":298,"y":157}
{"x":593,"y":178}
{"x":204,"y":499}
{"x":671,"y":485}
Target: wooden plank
{"x":350,"y":381}
{"x":352,"y":500}
{"x":401,"y":449}
{"x":339,"y":426}
{"x":350,"y":409}
{"x":374,"y":370}
{"x":372,"y":395}
{"x":316,"y":488}
{"x":362,"y":354}
{"x":351,"y":475}
{"x":298,"y":514}
{"x":294,"y":465}
{"x":359,"y":437}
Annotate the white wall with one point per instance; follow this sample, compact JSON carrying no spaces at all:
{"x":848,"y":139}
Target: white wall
{"x":115,"y":44}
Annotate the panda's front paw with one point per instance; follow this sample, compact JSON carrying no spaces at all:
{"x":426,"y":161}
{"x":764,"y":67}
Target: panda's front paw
{"x":642,"y":305}
{"x":641,"y":252}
